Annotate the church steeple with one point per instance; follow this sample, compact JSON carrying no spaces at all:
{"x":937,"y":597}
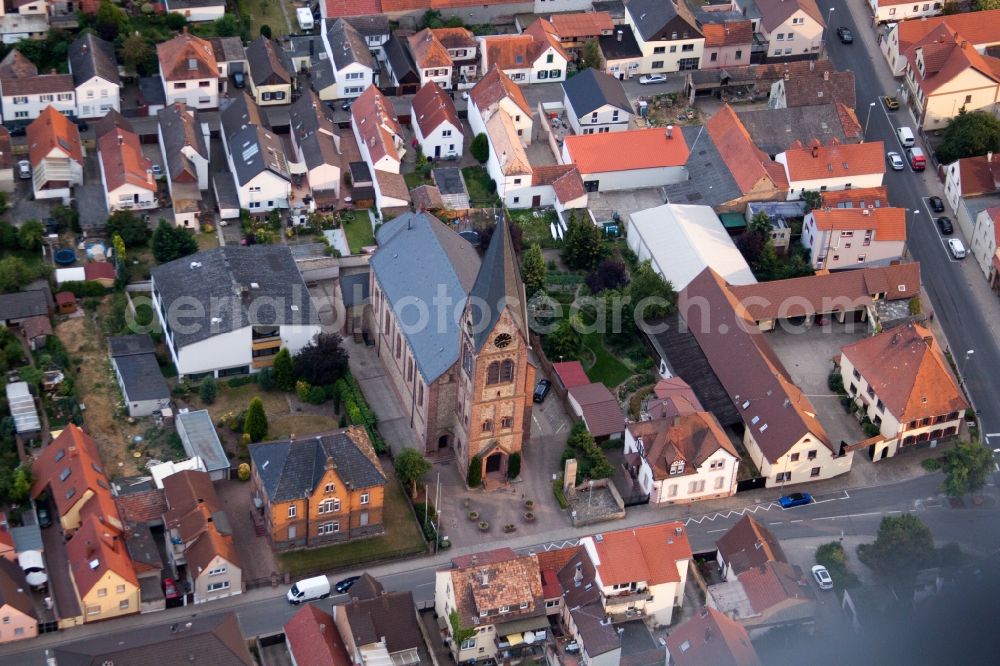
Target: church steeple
{"x":498,"y":287}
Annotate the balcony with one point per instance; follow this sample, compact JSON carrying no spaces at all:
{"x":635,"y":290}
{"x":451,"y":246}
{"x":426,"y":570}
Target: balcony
{"x":627,"y":597}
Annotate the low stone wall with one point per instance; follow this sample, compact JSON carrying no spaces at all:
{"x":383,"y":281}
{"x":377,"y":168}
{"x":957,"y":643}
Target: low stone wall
{"x":595,"y":502}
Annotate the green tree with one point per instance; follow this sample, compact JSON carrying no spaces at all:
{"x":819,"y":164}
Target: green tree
{"x":969,"y":134}
{"x":172,"y":242}
{"x":208,"y":390}
{"x":14,"y":274}
{"x":66,"y":217}
{"x":650,"y":295}
{"x":967,"y":467}
{"x":121,"y":256}
{"x":132,"y":228}
{"x":227,"y":26}
{"x":533,"y":270}
{"x":255,"y":421}
{"x":475,"y":476}
{"x":514,"y":465}
{"x":284,"y":370}
{"x":565,"y":341}
{"x":323,"y":361}
{"x":21,"y":484}
{"x":8,"y":236}
{"x":583,"y":248}
{"x":110,"y":19}
{"x":903,"y":546}
{"x":265,"y":379}
{"x":410,"y":465}
{"x":480,"y":148}
{"x":137,"y":53}
{"x":811,"y":198}
{"x":30,"y":235}
{"x":265,"y":31}
{"x":590,"y":58}
{"x":983,"y":5}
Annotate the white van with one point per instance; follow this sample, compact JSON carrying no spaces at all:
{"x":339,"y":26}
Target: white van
{"x":905,"y":135}
{"x":957,"y":248}
{"x":305,"y":18}
{"x":317,"y":587}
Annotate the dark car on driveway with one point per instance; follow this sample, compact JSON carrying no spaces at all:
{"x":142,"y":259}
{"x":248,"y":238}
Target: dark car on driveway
{"x":346,"y":584}
{"x":936,"y":204}
{"x":845,"y":35}
{"x":944,"y":224}
{"x":794,"y":499}
{"x":542,"y":389}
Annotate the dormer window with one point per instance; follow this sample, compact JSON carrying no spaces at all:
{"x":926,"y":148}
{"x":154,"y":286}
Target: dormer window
{"x":483,"y":613}
{"x":192,"y":63}
{"x":524,"y":605}
{"x":676,"y":467}
{"x":504,"y":609}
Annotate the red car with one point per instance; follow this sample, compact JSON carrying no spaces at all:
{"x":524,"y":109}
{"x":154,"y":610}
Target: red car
{"x":170,"y":588}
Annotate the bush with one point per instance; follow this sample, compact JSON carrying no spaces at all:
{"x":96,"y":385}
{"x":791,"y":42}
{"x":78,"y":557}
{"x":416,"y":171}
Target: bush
{"x":832,"y":556}
{"x":302,"y":390}
{"x":84,"y":289}
{"x":255,"y":422}
{"x":265,"y":379}
{"x":475,"y":476}
{"x":480,"y":148}
{"x":284,"y":372}
{"x":514,"y":466}
{"x":557,"y":490}
{"x":208,"y":390}
{"x":243,"y":472}
{"x":240,"y":380}
{"x":931,"y":464}
{"x":426,"y":515}
{"x":835,"y":383}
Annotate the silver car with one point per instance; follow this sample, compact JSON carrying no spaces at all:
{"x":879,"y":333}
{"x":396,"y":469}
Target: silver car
{"x":646,"y":79}
{"x":822,"y":577}
{"x":896,"y":161}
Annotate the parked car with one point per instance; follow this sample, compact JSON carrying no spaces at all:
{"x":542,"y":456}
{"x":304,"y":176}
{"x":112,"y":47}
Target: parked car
{"x":346,"y":584}
{"x":794,"y":499}
{"x":44,"y":517}
{"x":346,"y":106}
{"x":956,"y":248}
{"x":24,"y":169}
{"x":239,"y":79}
{"x":822,"y":577}
{"x":157,"y":170}
{"x":646,"y":79}
{"x":944,"y":224}
{"x":891,"y":103}
{"x":936,"y":204}
{"x":845,"y":35}
{"x":170,"y":588}
{"x":896,"y":161}
{"x":542,"y":389}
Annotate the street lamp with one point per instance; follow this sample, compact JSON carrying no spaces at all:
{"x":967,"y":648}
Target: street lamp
{"x":826,"y":31}
{"x":868,"y":119}
{"x":965,"y":362}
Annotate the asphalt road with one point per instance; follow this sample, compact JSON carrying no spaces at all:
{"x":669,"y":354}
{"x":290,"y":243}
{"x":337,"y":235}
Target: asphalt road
{"x":947,"y":281}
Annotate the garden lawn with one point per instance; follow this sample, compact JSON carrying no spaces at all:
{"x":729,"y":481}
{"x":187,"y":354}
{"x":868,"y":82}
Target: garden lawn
{"x":237,"y":399}
{"x":265,"y":12}
{"x":402,"y":537}
{"x":358,"y":229}
{"x":301,"y":423}
{"x":477,"y":181}
{"x":536,"y":225}
{"x":606,"y":369}
{"x":415,"y":179}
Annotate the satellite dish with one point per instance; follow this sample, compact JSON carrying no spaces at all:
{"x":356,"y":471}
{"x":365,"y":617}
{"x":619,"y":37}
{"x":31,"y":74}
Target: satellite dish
{"x":529,"y":637}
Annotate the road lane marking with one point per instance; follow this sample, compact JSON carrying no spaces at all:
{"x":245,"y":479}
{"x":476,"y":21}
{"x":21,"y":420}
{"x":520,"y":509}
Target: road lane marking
{"x":777,"y":523}
{"x":722,"y":529}
{"x":850,"y":515}
{"x":797,"y":521}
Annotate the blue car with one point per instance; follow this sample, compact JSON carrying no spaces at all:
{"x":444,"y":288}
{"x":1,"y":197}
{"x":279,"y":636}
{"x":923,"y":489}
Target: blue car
{"x":794,"y":499}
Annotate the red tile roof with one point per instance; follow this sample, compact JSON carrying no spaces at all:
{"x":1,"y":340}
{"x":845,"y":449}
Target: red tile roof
{"x":495,"y":86}
{"x":377,"y":125}
{"x":749,"y":544}
{"x":946,"y":54}
{"x":858,"y":196}
{"x":908,"y":371}
{"x":123,"y":161}
{"x":545,"y":35}
{"x":688,"y":438}
{"x":772,"y":584}
{"x":432,"y":106}
{"x":980,"y":28}
{"x":52,"y":130}
{"x":752,"y":169}
{"x":427,"y":50}
{"x":186,"y":57}
{"x":455,"y":38}
{"x":582,"y":24}
{"x":521,"y":51}
{"x":565,"y":180}
{"x":145,"y":507}
{"x":571,"y":373}
{"x":51,"y":84}
{"x":99,"y":270}
{"x":625,"y":151}
{"x":835,"y":160}
{"x":648,"y":553}
{"x":600,"y":409}
{"x":815,"y":88}
{"x":711,"y":637}
{"x":338,"y":8}
{"x":94,"y":550}
{"x":889,"y":224}
{"x":730,"y":33}
{"x":313,"y":639}
{"x":979,"y":175}
{"x":672,"y":397}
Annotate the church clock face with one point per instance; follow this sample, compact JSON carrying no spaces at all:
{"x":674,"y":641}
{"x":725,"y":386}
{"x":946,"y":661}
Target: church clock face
{"x":501,"y":341}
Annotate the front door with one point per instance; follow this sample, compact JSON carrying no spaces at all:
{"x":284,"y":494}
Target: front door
{"x":437,"y":151}
{"x":536,"y":201}
{"x":493,"y":463}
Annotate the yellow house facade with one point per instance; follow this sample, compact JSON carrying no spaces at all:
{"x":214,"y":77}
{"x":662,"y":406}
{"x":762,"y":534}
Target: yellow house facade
{"x":102,"y":572}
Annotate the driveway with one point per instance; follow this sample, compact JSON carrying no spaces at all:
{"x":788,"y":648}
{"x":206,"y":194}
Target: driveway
{"x":90,"y":199}
{"x":255,"y":551}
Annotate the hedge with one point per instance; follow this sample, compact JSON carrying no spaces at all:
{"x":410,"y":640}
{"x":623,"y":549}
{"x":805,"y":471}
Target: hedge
{"x":358,"y":412}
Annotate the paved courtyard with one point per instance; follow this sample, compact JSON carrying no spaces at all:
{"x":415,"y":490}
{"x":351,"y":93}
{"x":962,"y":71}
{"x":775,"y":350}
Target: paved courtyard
{"x":604,"y":204}
{"x":255,"y":552}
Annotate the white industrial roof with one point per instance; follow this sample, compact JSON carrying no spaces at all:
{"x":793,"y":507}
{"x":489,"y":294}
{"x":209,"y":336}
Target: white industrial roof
{"x":22,"y":408}
{"x":683,"y":240}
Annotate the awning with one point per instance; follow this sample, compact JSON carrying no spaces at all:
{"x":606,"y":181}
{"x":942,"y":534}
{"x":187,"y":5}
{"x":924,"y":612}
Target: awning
{"x":522,"y":625}
{"x":514,"y":639}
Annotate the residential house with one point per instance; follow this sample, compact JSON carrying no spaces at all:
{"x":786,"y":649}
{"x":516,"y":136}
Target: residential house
{"x":350,"y":8}
{"x":858,"y":197}
{"x":199,"y":539}
{"x":463,"y":50}
{"x":577,"y":595}
{"x":980,"y":28}
{"x":556,"y":185}
{"x":256,"y":158}
{"x":813,"y":89}
{"x":380,"y":627}
{"x":200,"y":440}
{"x":311,"y":639}
{"x":834,"y":166}
{"x":641,"y":572}
{"x":596,"y":103}
{"x":197,"y":11}
{"x":303,"y":49}
{"x":231,"y":58}
{"x":403,"y":71}
{"x":621,"y":53}
{"x":757,"y":177}
{"x":8,"y":549}
{"x":17,"y":609}
{"x":792,"y":28}
{"x":103,"y":576}
{"x":534,"y":56}
{"x":576,"y":29}
{"x":126,"y":173}
{"x":782,"y":435}
{"x":240,"y":337}
{"x":727,"y":44}
{"x":488,"y":414}
{"x":683,"y":458}
{"x":711,"y":637}
{"x":495,"y":597}
{"x":839,"y":238}
{"x":19,"y":307}
{"x":885,"y":11}
{"x":189,"y":71}
{"x":431,"y":58}
{"x":436,"y":124}
{"x":272,"y":75}
{"x":902,"y":382}
{"x":217,"y":637}
{"x":985,"y":242}
{"x":598,"y":408}
{"x":316,"y":142}
{"x":760,"y":589}
{"x":628,"y":160}
{"x":680,"y":241}
{"x":184,"y":149}
{"x":968,"y":185}
{"x":349,"y":69}
{"x":322,"y":489}
{"x":668,"y":35}
{"x":375,"y":28}
{"x":26,"y":97}
{"x":69,"y":471}
{"x":775,"y":130}
{"x":133,"y":359}
{"x":380,"y":139}
{"x":94,"y":68}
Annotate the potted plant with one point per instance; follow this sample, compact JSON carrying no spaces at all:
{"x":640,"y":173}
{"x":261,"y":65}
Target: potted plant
{"x":483,"y":526}
{"x":529,"y":517}
{"x":529,"y":504}
{"x":509,"y":527}
{"x":473,"y":516}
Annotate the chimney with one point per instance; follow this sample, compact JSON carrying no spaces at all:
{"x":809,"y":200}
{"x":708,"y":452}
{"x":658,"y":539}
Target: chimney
{"x":620,"y":34}
{"x":826,"y":75}
{"x":815,"y":151}
{"x":670,"y":131}
{"x":677,"y":420}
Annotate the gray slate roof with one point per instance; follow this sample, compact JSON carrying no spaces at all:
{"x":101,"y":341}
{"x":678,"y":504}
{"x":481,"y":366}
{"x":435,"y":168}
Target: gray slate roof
{"x":198,"y":435}
{"x":311,"y":123}
{"x":613,"y":49}
{"x":269,"y":64}
{"x":354,"y":289}
{"x":774,"y":130}
{"x":401,"y":61}
{"x":321,"y":74}
{"x":180,"y":128}
{"x":22,"y":304}
{"x":239,"y":113}
{"x":142,"y":378}
{"x":709,"y":181}
{"x":226,"y":275}
{"x":498,"y":286}
{"x":292,"y":469}
{"x":651,"y":16}
{"x":151,"y":90}
{"x":589,"y":90}
{"x":255,"y":150}
{"x":371,"y":26}
{"x":347,"y":46}
{"x":91,"y":56}
{"x":418,"y":257}
{"x":128,"y":345}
